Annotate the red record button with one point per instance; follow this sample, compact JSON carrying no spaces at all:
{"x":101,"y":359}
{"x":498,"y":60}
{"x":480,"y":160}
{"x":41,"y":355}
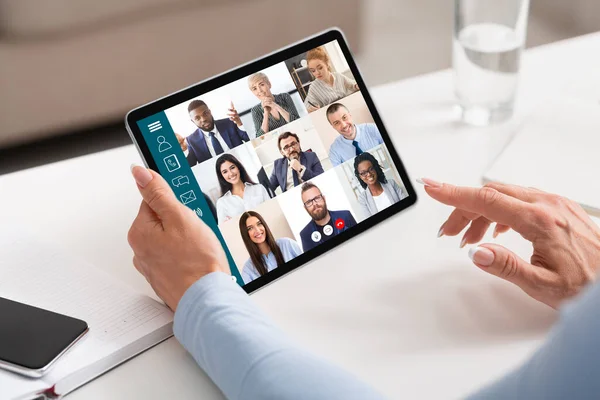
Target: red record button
{"x":339,"y":223}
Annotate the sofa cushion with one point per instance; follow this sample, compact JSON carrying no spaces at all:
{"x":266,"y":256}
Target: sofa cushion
{"x":70,"y":82}
{"x":25,"y":18}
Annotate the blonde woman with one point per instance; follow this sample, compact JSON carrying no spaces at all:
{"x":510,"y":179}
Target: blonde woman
{"x":328,"y":86}
{"x":274,"y":110}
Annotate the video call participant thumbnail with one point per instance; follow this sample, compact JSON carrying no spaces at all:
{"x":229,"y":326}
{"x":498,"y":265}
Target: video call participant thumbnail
{"x":328,"y":86}
{"x":274,"y":110}
{"x":354,"y":139}
{"x":325,"y":223}
{"x":213,"y":137}
{"x":296,"y":166}
{"x":239,"y":192}
{"x":266,"y":252}
{"x":379,"y":192}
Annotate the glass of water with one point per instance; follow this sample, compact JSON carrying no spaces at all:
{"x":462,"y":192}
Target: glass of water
{"x":488,"y":39}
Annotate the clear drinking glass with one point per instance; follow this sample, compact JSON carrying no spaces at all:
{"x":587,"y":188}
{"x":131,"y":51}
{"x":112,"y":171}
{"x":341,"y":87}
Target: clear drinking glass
{"x":488,"y":39}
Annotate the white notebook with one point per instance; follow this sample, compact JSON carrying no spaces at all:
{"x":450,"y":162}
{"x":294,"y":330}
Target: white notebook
{"x":122,"y":322}
{"x":557,"y":150}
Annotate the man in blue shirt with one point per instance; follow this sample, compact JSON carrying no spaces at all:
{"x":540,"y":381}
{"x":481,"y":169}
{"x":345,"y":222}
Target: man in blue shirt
{"x":324,"y":224}
{"x":353,"y":139}
{"x":296,"y":166}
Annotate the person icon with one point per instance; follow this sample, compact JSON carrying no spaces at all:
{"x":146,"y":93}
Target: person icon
{"x":163,"y":145}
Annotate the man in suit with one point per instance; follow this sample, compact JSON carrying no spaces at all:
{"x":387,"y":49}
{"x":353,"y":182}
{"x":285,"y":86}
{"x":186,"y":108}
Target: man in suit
{"x":325,"y":223}
{"x":212,"y":137}
{"x":296,"y":166}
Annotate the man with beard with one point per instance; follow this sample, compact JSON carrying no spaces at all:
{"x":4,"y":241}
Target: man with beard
{"x":354,"y":139}
{"x":296,"y":166}
{"x":213,"y":137}
{"x":325,"y":223}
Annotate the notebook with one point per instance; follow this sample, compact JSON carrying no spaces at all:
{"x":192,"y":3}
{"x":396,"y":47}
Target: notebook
{"x":557,"y":150}
{"x":122,"y":322}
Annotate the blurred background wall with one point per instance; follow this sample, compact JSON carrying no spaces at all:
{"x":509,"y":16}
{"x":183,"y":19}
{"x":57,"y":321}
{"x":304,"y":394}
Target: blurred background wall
{"x":71,"y":66}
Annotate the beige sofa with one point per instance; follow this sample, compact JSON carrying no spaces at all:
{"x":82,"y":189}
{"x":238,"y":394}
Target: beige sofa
{"x":70,"y":64}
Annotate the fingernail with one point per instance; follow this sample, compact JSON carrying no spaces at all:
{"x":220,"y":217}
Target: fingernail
{"x":141,"y":175}
{"x":429,"y":182}
{"x":496,"y":233}
{"x":481,"y":256}
{"x":441,"y":231}
{"x":463,"y":242}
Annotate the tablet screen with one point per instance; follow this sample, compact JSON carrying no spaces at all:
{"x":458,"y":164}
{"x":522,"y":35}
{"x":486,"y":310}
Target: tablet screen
{"x":283,"y":157}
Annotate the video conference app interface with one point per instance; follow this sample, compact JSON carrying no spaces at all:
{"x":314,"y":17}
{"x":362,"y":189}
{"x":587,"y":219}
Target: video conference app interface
{"x":278,"y":162}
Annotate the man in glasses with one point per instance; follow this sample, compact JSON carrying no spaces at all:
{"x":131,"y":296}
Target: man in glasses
{"x":325,"y":223}
{"x":296,"y":166}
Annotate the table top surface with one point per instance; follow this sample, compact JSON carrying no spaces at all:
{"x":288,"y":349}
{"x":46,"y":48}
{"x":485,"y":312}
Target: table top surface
{"x":396,"y":306}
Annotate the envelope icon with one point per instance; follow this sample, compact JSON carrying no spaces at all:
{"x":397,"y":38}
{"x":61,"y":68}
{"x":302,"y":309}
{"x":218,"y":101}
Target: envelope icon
{"x":188,"y":197}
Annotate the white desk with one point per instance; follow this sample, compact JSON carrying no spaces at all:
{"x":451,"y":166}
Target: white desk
{"x":401,"y":309}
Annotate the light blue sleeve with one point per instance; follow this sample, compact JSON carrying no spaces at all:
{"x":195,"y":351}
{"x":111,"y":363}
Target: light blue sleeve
{"x":374,"y":133}
{"x":566,"y":366}
{"x":289,"y":248}
{"x":335,"y":158}
{"x":247,"y":356}
{"x":249,"y":272}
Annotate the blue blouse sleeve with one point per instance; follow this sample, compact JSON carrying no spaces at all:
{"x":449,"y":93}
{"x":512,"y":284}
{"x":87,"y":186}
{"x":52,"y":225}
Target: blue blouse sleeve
{"x":289,"y":248}
{"x":566,"y":366}
{"x":247,"y":356}
{"x":249,"y":273}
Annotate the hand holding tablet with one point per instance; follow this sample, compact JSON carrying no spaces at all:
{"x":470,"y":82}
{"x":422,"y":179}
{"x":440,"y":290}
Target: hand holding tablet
{"x":267,"y":155}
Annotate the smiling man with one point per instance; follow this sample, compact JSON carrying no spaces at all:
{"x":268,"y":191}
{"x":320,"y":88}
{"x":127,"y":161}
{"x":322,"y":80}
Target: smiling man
{"x":296,"y":166}
{"x":213,"y":137}
{"x":354,"y":139}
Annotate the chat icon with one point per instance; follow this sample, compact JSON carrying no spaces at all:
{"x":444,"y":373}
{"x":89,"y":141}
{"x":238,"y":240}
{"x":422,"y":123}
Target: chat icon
{"x":180,"y":180}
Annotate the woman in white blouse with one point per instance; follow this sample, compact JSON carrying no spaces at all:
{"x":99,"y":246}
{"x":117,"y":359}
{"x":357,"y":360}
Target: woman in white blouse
{"x":328,"y":87}
{"x":240,"y":193}
{"x":380,"y":193}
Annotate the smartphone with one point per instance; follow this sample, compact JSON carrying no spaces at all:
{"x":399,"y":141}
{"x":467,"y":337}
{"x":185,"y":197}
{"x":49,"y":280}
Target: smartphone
{"x":32,"y":339}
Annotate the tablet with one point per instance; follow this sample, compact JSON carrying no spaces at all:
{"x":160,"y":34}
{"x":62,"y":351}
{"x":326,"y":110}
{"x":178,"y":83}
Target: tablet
{"x":284,"y":157}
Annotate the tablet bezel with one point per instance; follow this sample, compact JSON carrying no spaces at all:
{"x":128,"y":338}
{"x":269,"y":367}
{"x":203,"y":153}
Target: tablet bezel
{"x":247,"y":69}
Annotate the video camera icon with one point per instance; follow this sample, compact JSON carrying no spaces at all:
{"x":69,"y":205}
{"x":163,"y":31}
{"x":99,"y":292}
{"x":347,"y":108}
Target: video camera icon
{"x":180,"y":180}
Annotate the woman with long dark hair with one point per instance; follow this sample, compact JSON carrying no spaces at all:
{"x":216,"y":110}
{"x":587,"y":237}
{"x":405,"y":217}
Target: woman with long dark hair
{"x":380,"y":192}
{"x":266,"y":252}
{"x":239,"y":192}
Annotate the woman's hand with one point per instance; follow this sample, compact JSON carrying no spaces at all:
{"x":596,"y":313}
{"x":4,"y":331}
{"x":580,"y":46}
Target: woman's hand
{"x":312,"y":108}
{"x":566,"y":242}
{"x":278,"y":110}
{"x":265,"y":122}
{"x":267,"y":104}
{"x":172,"y":247}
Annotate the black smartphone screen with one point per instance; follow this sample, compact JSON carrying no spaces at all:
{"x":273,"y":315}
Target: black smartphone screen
{"x":31,"y":337}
